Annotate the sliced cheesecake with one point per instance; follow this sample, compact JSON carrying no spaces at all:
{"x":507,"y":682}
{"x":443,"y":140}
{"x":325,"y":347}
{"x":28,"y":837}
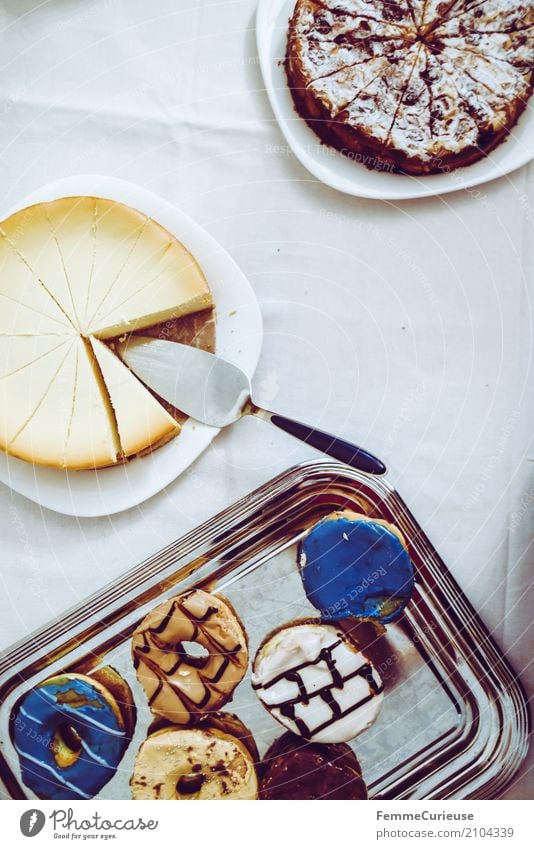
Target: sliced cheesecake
{"x":141,"y":420}
{"x":74,"y":273}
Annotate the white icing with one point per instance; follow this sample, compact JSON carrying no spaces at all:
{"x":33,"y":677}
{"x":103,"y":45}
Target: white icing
{"x":297,"y":649}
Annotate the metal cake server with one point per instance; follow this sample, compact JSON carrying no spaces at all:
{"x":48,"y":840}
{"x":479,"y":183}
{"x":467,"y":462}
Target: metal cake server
{"x":217,"y":392}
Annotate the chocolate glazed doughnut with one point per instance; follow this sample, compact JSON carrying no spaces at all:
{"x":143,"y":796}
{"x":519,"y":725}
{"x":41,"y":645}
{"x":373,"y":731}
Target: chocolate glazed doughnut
{"x":293,"y":769}
{"x":181,"y":686}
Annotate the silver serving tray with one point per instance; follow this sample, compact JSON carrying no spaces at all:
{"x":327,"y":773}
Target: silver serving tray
{"x":454,"y":724}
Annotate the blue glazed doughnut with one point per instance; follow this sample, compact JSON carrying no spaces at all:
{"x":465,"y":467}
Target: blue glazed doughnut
{"x":355,"y":566}
{"x":70,"y":737}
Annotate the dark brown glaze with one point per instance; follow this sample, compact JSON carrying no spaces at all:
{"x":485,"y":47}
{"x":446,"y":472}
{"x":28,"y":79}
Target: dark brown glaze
{"x":293,"y":769}
{"x":376,"y":643}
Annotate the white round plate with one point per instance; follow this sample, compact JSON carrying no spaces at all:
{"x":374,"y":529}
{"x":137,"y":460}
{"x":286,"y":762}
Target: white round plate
{"x":346,"y":175}
{"x":239,"y":337}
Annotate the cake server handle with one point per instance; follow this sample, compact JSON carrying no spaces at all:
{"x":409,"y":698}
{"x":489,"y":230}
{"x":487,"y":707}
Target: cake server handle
{"x":335,"y":447}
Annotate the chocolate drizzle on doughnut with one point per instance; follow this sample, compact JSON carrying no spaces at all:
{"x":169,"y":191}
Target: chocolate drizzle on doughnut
{"x":330,"y":677}
{"x":288,"y":707}
{"x":178,"y":684}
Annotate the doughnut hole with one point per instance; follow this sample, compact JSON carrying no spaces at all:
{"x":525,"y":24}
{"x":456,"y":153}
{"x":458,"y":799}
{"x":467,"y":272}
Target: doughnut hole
{"x":189,"y":785}
{"x":196,"y":654}
{"x":66,"y":745}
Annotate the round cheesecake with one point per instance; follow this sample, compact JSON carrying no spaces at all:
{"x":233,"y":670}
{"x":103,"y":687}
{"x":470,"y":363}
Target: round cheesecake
{"x":75,"y":274}
{"x":417,"y":86}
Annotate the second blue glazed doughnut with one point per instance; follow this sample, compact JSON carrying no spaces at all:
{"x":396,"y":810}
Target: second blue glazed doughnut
{"x":70,"y":737}
{"x":352,"y":565}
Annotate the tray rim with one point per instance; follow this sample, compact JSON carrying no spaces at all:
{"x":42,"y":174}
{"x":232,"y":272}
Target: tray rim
{"x":494,"y":664}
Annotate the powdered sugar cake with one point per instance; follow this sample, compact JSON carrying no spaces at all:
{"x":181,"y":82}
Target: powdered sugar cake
{"x":419,"y":86}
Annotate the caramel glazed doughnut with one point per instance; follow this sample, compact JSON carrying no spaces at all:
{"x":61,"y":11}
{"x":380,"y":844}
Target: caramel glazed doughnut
{"x":213,"y":760}
{"x":179,"y":686}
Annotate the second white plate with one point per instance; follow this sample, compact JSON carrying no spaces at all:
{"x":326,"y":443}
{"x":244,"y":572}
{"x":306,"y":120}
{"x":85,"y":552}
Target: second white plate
{"x":239,"y":338}
{"x":353,"y":178}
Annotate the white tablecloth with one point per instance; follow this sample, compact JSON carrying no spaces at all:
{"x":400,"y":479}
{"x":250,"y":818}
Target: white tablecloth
{"x":405,"y":327}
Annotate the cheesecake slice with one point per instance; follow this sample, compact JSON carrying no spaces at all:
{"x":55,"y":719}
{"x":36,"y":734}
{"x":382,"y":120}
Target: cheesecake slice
{"x":27,"y":235}
{"x":71,"y":426}
{"x":23,"y":394}
{"x":91,"y":440}
{"x":158,"y":280}
{"x":26,"y":305}
{"x":141,"y":420}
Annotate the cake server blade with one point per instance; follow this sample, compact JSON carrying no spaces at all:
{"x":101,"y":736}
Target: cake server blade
{"x":217,"y":392}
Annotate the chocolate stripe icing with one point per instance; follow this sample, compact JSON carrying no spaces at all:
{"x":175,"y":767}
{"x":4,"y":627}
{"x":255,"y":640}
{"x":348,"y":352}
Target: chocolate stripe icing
{"x":333,"y":683}
{"x":179,"y":685}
